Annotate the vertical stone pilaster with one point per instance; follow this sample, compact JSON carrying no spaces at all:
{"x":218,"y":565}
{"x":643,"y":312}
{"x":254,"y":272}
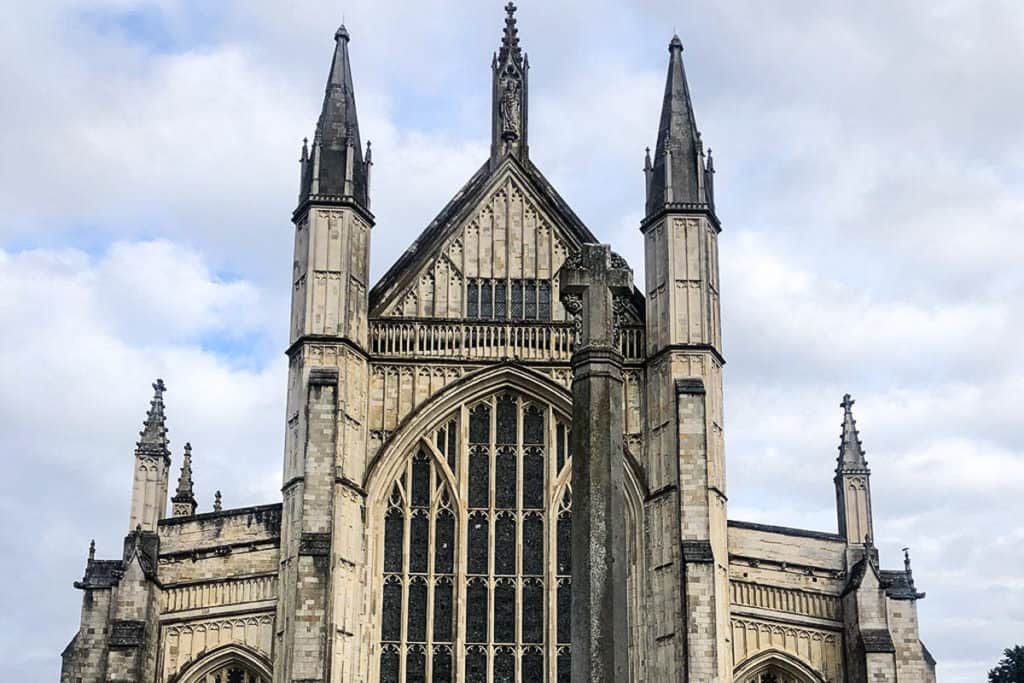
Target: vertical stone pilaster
{"x":702,"y":553}
{"x":323,"y":549}
{"x":306,"y":564}
{"x":600,"y":639}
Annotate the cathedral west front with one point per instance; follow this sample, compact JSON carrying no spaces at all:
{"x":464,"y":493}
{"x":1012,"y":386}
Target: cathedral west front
{"x":503,"y":462}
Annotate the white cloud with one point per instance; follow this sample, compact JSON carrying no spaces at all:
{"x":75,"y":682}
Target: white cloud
{"x":83,"y":338}
{"x":869,"y":182}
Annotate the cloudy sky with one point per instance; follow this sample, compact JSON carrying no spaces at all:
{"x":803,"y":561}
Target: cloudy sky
{"x":870,"y":185}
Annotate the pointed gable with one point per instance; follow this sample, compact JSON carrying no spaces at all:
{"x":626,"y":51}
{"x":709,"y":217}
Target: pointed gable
{"x":506,"y":228}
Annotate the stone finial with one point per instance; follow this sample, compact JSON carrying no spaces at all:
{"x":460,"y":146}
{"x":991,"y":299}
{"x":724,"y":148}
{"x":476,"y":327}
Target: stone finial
{"x":851,"y":451}
{"x":510,"y":37}
{"x":184,"y":500}
{"x":92,"y":550}
{"x":217,"y":505}
{"x":153,"y":437}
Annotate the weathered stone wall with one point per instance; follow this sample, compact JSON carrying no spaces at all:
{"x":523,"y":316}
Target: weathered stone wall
{"x":219,"y":573}
{"x":86,"y":657}
{"x":911,"y":663}
{"x":785,"y":587}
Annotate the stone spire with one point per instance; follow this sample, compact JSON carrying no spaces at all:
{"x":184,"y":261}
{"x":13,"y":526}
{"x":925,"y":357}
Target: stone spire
{"x":218,"y":504}
{"x":334,"y":170}
{"x":509,"y":67}
{"x":679,"y":174}
{"x":853,"y":486}
{"x":851,"y":451}
{"x":184,"y":500}
{"x":153,"y":441}
{"x":152,"y":463}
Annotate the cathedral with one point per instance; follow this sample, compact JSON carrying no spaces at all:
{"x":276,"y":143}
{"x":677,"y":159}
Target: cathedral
{"x":503,"y":462}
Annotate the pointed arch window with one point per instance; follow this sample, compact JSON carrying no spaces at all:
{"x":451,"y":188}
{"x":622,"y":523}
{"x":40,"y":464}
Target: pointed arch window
{"x":476,"y":560}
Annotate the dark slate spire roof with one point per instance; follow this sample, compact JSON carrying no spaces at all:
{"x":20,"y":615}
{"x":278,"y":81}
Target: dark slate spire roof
{"x":334,"y":168}
{"x":153,"y":441}
{"x":851,"y":452}
{"x":185,"y":493}
{"x":679,"y":173}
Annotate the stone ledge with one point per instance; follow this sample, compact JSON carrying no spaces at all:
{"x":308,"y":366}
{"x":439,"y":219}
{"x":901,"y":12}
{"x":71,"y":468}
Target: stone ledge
{"x":697,"y":551}
{"x":690,"y":385}
{"x":316,"y":544}
{"x":323,"y":376}
{"x":877,"y":640}
{"x":124,"y":634}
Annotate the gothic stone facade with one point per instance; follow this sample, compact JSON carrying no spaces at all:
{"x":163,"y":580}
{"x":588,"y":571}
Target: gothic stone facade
{"x":425,"y":531}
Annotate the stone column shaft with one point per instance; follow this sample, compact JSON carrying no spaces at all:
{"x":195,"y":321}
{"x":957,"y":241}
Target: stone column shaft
{"x":600,"y":638}
{"x":599,"y":635}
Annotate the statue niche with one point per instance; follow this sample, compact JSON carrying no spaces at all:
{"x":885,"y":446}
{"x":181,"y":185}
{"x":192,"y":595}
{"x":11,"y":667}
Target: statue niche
{"x":510,"y":108}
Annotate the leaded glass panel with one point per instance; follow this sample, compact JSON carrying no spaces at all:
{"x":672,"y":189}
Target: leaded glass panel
{"x":470,"y":582}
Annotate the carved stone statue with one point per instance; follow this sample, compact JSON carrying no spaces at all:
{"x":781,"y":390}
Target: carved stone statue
{"x":510,"y":110}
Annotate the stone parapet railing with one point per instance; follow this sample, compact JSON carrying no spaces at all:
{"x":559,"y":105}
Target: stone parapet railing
{"x":220,"y":592}
{"x":487,"y":340}
{"x":791,"y":601}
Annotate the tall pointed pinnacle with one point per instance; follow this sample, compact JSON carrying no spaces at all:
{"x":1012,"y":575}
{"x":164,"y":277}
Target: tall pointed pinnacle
{"x":679,"y":175}
{"x":335,"y":170}
{"x":510,"y":68}
{"x":184,"y":500}
{"x":851,"y":452}
{"x":510,"y":37}
{"x":153,"y":437}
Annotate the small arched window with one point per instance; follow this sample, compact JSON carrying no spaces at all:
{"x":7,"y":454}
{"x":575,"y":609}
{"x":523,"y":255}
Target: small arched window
{"x":233,"y":673}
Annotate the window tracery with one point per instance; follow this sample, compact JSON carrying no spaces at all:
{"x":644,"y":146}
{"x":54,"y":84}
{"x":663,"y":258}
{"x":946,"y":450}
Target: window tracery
{"x":476,"y":558}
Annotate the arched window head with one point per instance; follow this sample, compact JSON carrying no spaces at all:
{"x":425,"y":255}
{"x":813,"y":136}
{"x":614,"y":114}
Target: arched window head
{"x":231,"y":663}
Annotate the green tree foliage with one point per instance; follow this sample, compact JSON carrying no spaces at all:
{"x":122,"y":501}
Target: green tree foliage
{"x":1010,"y":668}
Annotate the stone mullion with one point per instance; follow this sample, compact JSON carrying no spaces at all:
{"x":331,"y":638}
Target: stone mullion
{"x":460,"y":509}
{"x":406,"y":556}
{"x":491,"y":479}
{"x":550,"y":644}
{"x":518,"y":516}
{"x":431,"y":551}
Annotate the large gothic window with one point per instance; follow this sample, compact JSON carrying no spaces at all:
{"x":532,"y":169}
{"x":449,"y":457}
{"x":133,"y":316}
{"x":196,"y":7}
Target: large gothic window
{"x":476,"y":559}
